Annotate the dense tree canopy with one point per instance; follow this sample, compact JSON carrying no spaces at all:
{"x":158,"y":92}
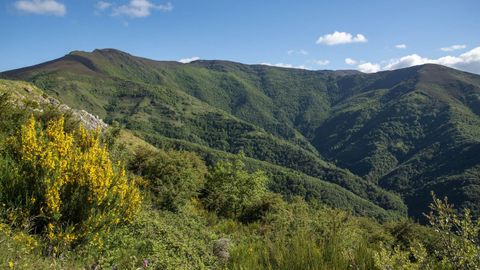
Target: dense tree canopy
{"x":230,"y":189}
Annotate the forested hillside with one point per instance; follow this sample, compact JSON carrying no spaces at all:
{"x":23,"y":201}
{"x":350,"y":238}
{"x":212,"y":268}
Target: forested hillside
{"x":76,"y":194}
{"x":403,"y":132}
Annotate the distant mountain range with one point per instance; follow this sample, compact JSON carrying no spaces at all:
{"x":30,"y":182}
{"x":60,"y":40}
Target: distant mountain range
{"x":376,"y":144}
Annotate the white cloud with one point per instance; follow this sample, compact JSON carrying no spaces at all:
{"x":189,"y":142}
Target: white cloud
{"x":469,"y":61}
{"x":472,"y":55}
{"x":41,"y":7}
{"x":407,"y":61}
{"x":350,"y":61}
{"x":369,"y":67}
{"x":140,"y":8}
{"x":453,"y":48}
{"x":322,"y":62}
{"x":102,"y":5}
{"x":282,"y":65}
{"x":188,"y":60}
{"x":340,"y":38}
{"x":401,"y":46}
{"x":301,"y":51}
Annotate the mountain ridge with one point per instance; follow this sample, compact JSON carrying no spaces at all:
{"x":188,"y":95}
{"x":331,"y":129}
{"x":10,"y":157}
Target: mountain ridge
{"x":379,"y":126}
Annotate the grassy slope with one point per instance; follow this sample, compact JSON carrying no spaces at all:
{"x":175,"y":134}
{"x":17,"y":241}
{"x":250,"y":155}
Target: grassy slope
{"x":383,"y":127}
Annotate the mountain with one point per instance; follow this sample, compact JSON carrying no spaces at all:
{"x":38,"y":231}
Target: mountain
{"x":372,"y":143}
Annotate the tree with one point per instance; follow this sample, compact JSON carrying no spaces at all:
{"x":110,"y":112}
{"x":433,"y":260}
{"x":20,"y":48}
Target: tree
{"x":230,"y":189}
{"x":459,"y":235}
{"x":173,"y":177}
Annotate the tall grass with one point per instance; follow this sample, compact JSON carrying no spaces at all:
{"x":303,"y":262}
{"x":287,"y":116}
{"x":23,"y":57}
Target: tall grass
{"x":302,"y":252}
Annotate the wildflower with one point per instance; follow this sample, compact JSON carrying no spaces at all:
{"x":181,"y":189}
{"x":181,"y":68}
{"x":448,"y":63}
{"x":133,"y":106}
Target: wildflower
{"x":58,"y":163}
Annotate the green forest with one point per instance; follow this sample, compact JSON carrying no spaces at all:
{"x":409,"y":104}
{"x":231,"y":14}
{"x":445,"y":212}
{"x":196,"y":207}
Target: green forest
{"x":221,"y":165}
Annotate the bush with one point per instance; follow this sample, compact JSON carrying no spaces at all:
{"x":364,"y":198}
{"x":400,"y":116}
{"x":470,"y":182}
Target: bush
{"x":259,"y":210}
{"x":65,"y":183}
{"x":10,"y":116}
{"x":230,"y":189}
{"x":456,"y":243}
{"x":173,"y":177}
{"x":459,"y":235}
{"x":167,"y":240}
{"x":23,"y":251}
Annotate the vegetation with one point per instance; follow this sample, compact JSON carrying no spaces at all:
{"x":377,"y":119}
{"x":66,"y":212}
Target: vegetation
{"x":64,"y":184}
{"x":230,"y":190}
{"x":371,"y":134}
{"x":174,"y":177}
{"x":72,"y":198}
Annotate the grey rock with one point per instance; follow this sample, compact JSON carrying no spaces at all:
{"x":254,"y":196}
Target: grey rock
{"x":221,"y":248}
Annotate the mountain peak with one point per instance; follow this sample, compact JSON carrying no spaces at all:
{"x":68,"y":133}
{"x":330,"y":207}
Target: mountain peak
{"x":105,"y":51}
{"x":110,"y":51}
{"x":434,"y":68}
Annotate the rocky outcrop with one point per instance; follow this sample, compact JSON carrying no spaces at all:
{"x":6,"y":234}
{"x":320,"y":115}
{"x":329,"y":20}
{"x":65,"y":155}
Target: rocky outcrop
{"x":29,"y":94}
{"x":89,"y":120}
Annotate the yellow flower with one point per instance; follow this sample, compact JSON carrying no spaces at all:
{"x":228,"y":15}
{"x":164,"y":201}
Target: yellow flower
{"x":75,"y":162}
{"x":30,"y":148}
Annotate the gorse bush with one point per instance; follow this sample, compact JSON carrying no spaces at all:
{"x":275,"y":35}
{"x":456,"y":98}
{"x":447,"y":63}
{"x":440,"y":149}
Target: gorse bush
{"x":65,"y":183}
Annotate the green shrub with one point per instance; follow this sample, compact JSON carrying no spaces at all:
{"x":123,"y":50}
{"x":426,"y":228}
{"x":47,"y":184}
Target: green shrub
{"x":173,"y":177}
{"x":21,"y":250}
{"x":459,"y":235}
{"x":230,"y":189}
{"x":166,"y":239}
{"x":10,"y":116}
{"x":455,"y":244}
{"x":259,"y":210}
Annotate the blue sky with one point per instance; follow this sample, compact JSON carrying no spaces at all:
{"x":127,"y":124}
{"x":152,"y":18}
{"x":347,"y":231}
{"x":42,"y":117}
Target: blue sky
{"x":365,"y":35}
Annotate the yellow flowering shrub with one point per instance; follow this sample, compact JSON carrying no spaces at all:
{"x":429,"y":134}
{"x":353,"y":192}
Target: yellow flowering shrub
{"x":15,"y":245}
{"x":67,"y":182}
